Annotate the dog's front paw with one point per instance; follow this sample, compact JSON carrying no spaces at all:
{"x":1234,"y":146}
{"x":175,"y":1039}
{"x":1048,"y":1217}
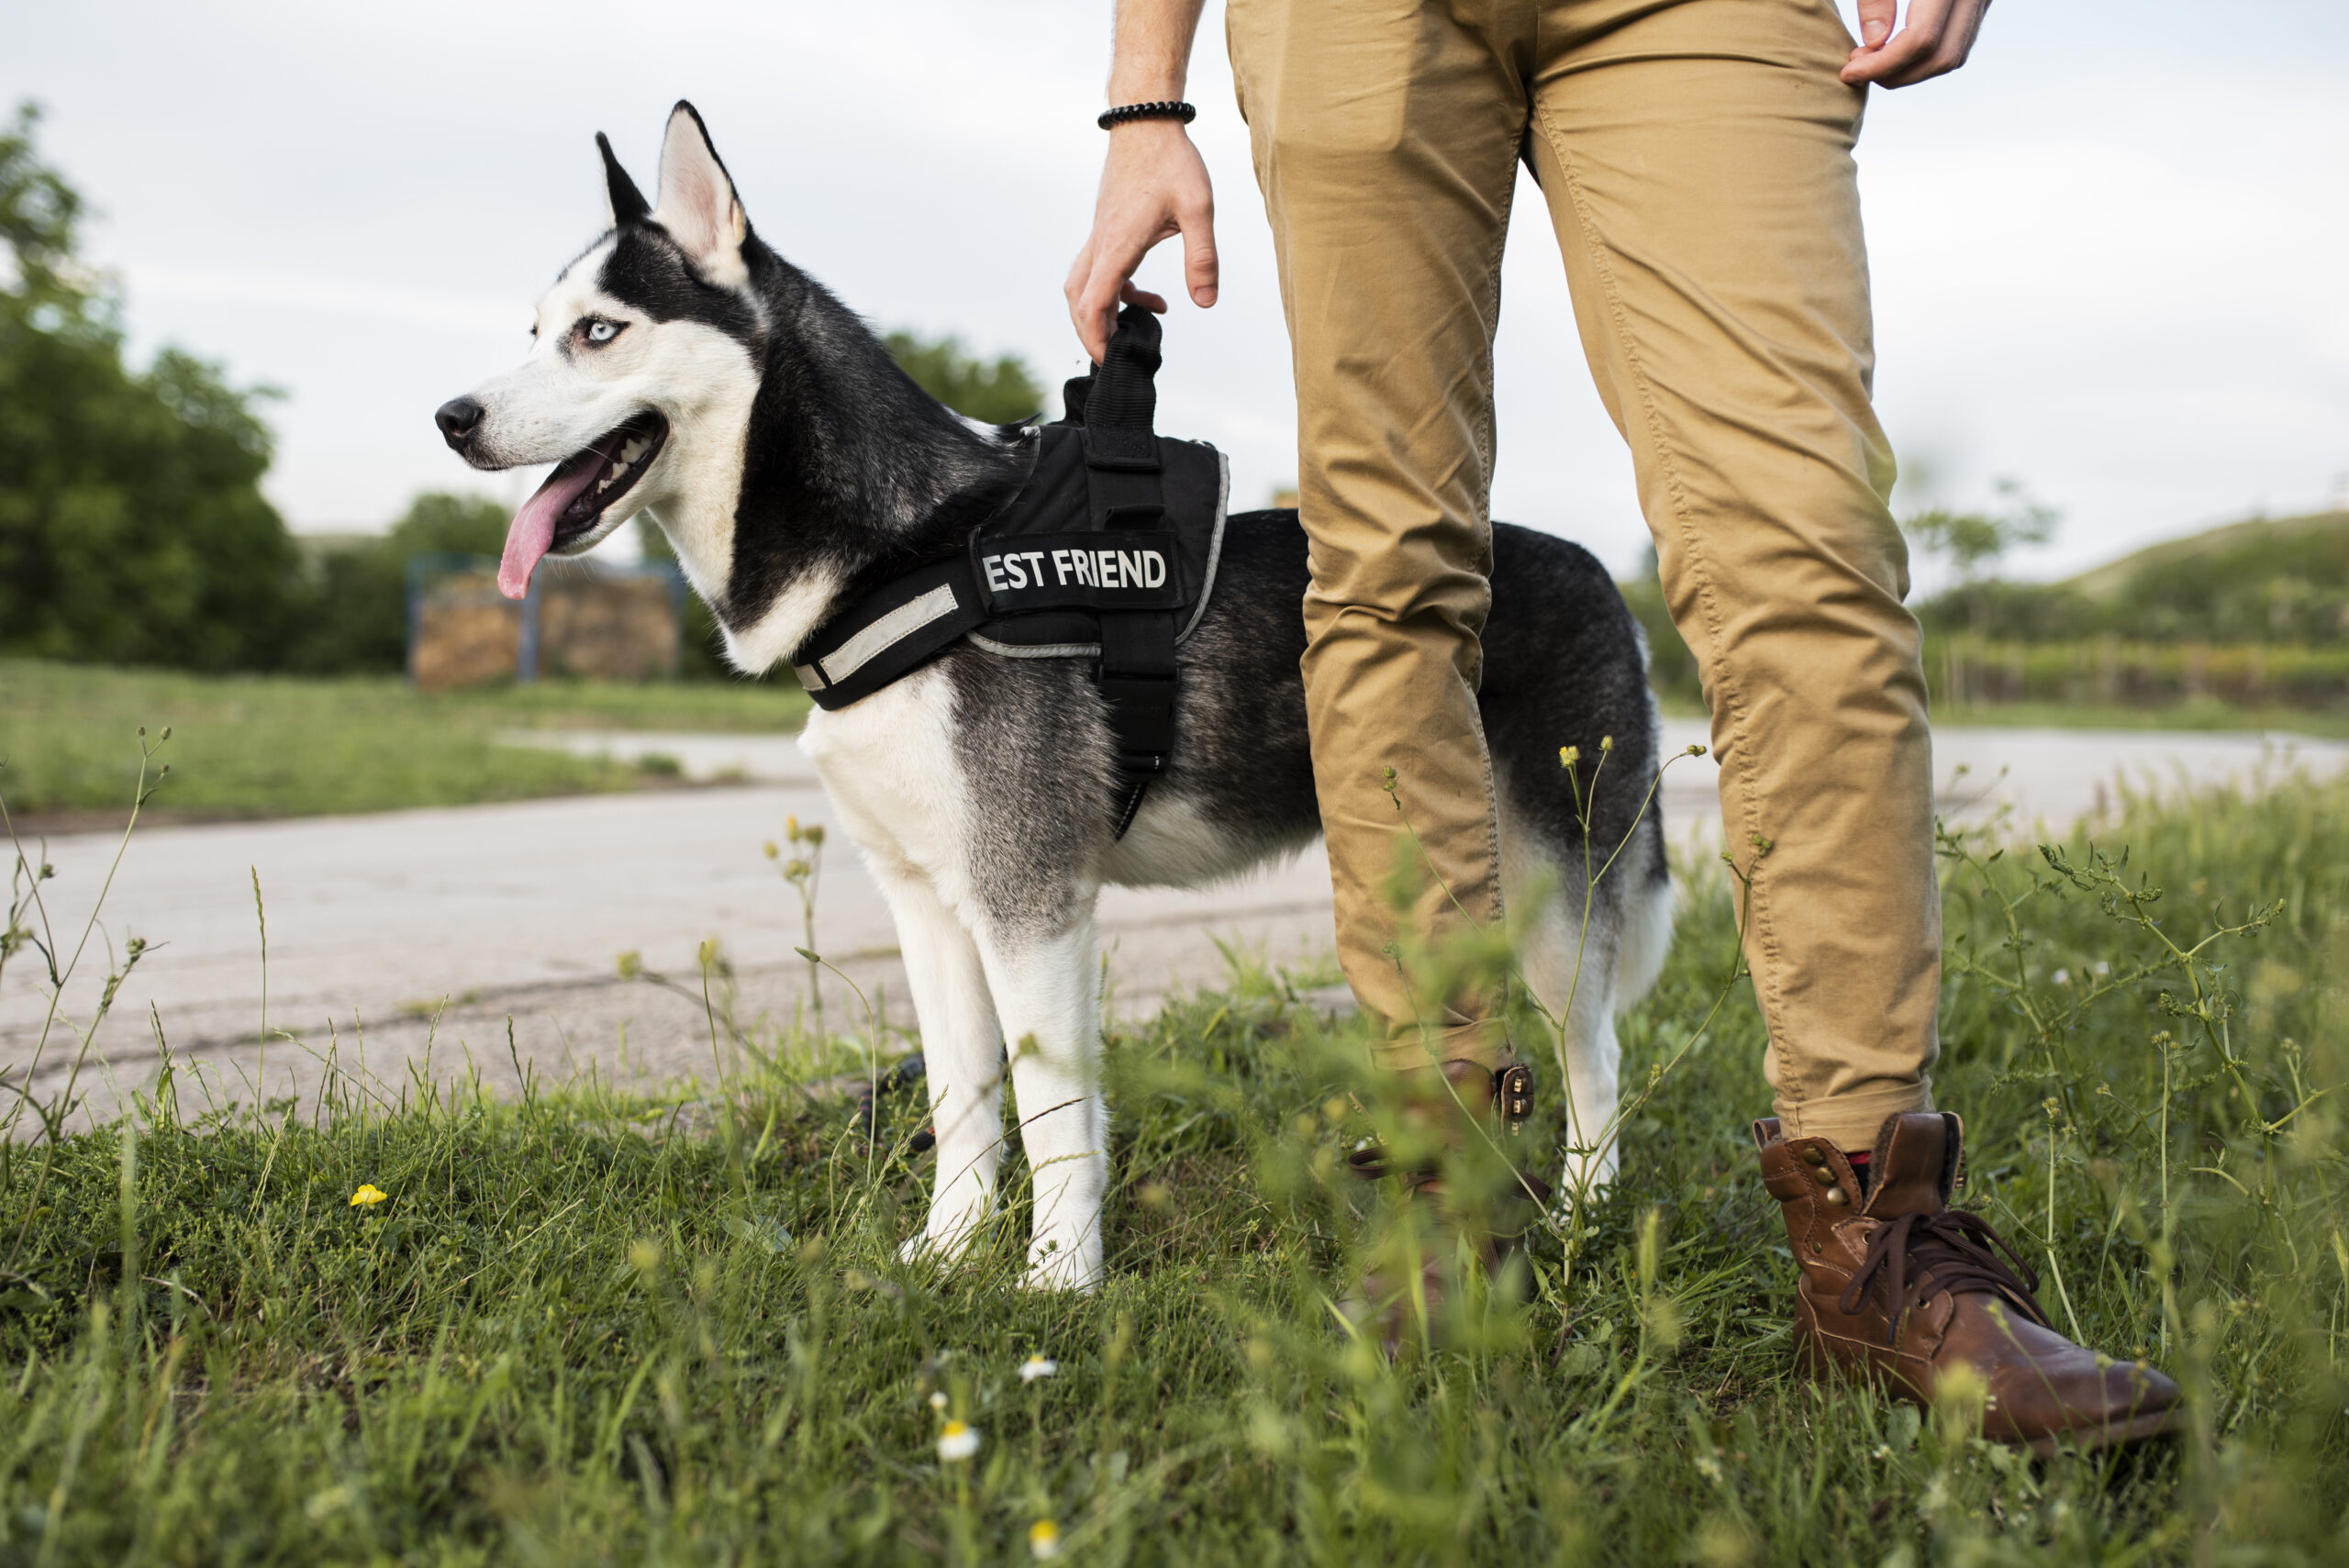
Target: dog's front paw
{"x":1587,"y":1173}
{"x":943,"y":1240}
{"x":927,"y":1249}
{"x":1062,"y":1263}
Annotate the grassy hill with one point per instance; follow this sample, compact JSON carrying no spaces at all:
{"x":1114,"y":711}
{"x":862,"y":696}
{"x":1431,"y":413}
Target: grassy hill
{"x":2265,"y":580}
{"x":2318,"y":541}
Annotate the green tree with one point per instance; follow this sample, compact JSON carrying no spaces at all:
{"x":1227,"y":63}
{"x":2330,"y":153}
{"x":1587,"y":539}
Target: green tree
{"x":39,"y":215}
{"x":997,"y":391}
{"x":132,"y":526}
{"x":451,"y":525}
{"x":1975,"y":542}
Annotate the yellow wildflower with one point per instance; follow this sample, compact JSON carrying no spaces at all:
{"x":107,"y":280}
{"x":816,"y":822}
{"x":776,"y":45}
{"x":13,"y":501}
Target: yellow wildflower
{"x":368,"y":1192}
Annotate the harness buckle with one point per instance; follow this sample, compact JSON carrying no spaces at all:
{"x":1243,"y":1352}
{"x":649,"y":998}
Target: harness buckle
{"x":1513,"y":1096}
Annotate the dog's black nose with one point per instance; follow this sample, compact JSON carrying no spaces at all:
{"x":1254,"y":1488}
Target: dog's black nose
{"x":458,"y":418}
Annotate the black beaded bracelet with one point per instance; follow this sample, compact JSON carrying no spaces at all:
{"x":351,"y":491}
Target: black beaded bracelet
{"x":1163,"y":109}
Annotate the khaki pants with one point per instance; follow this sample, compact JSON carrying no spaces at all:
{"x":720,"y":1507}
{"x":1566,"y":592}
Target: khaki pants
{"x":1696,"y":160}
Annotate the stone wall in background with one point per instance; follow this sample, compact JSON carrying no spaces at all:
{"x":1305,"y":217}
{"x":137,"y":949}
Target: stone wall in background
{"x":589,"y":623}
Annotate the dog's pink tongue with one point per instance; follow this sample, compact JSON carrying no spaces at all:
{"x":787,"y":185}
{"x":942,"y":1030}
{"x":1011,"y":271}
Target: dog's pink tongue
{"x":532,"y":533}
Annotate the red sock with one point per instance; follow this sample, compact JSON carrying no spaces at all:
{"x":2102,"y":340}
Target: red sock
{"x":1859,"y":1164}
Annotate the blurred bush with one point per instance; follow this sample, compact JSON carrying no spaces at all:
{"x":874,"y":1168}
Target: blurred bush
{"x":2112,"y":671}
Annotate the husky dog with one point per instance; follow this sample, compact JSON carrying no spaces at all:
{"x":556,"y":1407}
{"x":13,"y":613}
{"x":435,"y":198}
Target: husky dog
{"x":683,"y":369}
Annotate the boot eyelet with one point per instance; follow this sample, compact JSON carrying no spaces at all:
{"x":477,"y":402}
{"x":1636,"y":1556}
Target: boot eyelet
{"x":1814,"y":1155}
{"x":1819,"y":1246}
{"x":1825,"y":1177}
{"x":1838,"y":1196}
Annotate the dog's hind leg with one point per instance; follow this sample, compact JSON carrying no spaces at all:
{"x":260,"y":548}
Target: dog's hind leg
{"x":1569,"y":966}
{"x":1585,"y":960}
{"x":962,"y":1054}
{"x":1047,"y":988}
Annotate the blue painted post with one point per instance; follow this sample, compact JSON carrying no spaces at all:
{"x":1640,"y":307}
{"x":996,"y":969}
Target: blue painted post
{"x":415,"y":574}
{"x":526,"y":657}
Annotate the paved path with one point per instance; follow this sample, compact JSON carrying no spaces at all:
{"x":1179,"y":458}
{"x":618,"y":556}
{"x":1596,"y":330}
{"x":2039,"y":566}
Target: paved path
{"x":379,"y":925}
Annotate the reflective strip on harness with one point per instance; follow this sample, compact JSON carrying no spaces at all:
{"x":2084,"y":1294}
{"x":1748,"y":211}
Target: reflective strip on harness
{"x":892,"y":629}
{"x":890,"y":632}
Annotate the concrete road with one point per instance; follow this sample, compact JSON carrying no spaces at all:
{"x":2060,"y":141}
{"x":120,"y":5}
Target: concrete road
{"x":416,"y":938}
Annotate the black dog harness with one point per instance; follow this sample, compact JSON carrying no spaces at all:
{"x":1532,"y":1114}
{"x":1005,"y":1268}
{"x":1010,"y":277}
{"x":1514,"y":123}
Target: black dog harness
{"x":1109,"y":552}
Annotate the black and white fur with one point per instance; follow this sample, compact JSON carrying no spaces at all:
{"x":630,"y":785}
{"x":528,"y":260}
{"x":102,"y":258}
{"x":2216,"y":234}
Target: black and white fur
{"x":800,"y":467}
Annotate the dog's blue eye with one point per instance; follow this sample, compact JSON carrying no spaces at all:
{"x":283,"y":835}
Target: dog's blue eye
{"x":602,"y":332}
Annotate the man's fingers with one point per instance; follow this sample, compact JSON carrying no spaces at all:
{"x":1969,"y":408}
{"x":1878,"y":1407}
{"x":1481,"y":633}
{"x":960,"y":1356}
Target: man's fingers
{"x":1094,"y":322}
{"x":1893,"y":62}
{"x":1958,"y":32}
{"x":1876,"y":17}
{"x":1199,"y":269}
{"x":1096,"y":307}
{"x":1937,"y":39}
{"x":1153,"y":303}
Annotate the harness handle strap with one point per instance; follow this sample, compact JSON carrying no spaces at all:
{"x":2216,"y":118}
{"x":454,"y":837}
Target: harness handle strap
{"x":1116,"y":407}
{"x":1123,"y":400}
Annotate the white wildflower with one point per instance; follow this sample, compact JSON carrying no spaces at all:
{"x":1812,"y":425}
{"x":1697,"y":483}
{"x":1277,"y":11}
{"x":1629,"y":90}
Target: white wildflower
{"x":1035,"y":1367}
{"x":1044,"y":1540}
{"x":957,"y":1441}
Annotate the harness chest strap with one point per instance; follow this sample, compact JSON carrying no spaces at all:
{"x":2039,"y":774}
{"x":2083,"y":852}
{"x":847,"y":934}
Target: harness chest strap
{"x":890,"y":632}
{"x":895,"y":629}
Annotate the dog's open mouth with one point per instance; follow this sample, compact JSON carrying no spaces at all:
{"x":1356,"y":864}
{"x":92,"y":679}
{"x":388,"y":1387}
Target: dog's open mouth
{"x":575,"y":497}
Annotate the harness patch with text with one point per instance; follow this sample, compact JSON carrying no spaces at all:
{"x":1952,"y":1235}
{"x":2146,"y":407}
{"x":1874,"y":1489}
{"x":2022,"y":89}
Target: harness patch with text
{"x":1126,"y":571}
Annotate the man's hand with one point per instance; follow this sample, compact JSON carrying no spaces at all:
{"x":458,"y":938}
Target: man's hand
{"x":1936,"y":41}
{"x":1154,"y":184}
{"x":1153,"y":187}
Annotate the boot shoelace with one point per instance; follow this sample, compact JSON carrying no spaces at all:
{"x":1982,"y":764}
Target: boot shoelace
{"x":1925,"y":1254}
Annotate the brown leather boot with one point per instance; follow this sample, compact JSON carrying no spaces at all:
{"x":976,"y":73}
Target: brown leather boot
{"x":1900,"y":1289}
{"x":1449,"y":1102}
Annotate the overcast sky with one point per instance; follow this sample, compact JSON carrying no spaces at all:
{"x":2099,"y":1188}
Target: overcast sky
{"x":2109,"y":254}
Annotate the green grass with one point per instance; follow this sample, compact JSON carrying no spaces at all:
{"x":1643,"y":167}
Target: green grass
{"x":289,"y":746}
{"x":595,"y":1326}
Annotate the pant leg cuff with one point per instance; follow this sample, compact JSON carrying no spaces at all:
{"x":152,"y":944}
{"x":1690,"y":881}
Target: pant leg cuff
{"x":1853,"y":1121}
{"x":1485,"y":1044}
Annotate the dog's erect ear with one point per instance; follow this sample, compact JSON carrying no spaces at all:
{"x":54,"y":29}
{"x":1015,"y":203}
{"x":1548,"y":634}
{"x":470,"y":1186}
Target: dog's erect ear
{"x":627,"y":203}
{"x":698,"y":205}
